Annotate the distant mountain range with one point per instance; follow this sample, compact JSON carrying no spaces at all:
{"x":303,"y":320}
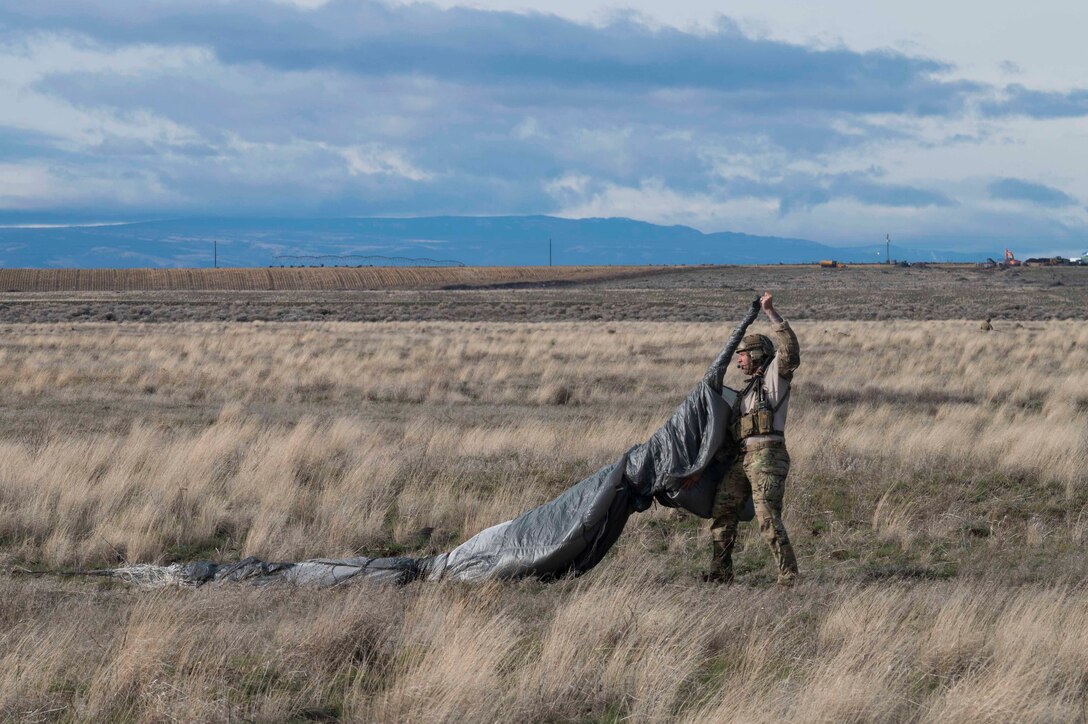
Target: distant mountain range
{"x":475,"y":241}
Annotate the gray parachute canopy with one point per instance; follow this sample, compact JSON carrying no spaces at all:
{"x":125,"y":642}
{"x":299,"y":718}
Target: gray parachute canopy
{"x":568,"y":535}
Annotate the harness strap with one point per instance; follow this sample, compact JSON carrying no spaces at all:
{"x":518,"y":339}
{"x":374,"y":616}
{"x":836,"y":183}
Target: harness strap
{"x":744,"y":422}
{"x":758,"y":376}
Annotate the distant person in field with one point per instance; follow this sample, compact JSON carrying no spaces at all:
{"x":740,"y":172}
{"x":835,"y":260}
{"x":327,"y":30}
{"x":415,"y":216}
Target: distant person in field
{"x":759,"y":427}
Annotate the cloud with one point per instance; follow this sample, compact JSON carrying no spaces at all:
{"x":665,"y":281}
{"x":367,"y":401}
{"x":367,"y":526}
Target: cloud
{"x":652,"y":198}
{"x":374,"y":159}
{"x":868,"y":194}
{"x":22,"y":184}
{"x":893,"y":195}
{"x":1012,"y":189}
{"x":101,"y":188}
{"x":357,"y":107}
{"x":1017,"y":100}
{"x":803,"y":191}
{"x":537,"y":52}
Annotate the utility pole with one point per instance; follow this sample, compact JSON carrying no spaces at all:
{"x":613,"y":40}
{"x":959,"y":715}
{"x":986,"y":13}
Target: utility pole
{"x":215,"y":254}
{"x":887,"y":248}
{"x":549,"y":252}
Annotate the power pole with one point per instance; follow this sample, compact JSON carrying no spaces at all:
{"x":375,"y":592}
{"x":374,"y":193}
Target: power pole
{"x":887,"y":248}
{"x":215,"y":254}
{"x":549,"y":252}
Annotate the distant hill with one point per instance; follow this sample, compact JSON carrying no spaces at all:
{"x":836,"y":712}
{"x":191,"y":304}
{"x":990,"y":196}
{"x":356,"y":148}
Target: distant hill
{"x":476,"y":241}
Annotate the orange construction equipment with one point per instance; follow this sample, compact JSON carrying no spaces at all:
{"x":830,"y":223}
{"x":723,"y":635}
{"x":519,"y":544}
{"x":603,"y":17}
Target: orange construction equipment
{"x":1011,"y":260}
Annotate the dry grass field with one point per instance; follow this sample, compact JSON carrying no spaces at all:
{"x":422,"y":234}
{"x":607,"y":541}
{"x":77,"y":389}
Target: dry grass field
{"x":938,"y":502}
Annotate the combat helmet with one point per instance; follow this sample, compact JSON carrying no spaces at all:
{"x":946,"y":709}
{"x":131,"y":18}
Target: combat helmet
{"x":758,"y":346}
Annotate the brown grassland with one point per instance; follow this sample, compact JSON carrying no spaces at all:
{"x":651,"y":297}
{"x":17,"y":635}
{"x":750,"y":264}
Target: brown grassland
{"x":938,"y":501}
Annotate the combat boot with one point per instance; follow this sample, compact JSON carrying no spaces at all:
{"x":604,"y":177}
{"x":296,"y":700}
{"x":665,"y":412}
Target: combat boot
{"x":718,"y":576}
{"x":721,"y":563}
{"x":787,"y":563}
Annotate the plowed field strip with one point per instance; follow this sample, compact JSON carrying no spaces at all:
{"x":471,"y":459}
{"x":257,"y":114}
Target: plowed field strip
{"x":284,"y":279}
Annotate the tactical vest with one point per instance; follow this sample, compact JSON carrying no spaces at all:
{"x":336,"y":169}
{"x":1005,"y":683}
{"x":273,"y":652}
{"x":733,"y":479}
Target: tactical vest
{"x":760,"y":421}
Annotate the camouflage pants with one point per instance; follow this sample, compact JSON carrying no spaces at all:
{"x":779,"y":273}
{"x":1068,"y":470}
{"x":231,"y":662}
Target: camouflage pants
{"x":763,"y":473}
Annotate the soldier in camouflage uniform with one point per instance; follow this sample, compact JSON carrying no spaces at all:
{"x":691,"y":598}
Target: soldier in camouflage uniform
{"x":762,"y":463}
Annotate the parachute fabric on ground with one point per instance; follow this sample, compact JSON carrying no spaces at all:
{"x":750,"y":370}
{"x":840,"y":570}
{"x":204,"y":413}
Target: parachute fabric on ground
{"x":569,"y":534}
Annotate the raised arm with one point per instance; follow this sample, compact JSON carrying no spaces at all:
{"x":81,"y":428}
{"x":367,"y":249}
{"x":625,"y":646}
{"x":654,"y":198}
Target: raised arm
{"x":787,"y":349}
{"x":715,"y":374}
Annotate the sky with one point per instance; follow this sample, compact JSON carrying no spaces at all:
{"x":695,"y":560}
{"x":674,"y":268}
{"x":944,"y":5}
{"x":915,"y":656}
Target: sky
{"x":963,"y":125}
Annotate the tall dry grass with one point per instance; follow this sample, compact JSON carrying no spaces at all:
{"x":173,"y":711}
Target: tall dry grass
{"x":603,"y":648}
{"x":286,"y":441}
{"x":937,"y":501}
